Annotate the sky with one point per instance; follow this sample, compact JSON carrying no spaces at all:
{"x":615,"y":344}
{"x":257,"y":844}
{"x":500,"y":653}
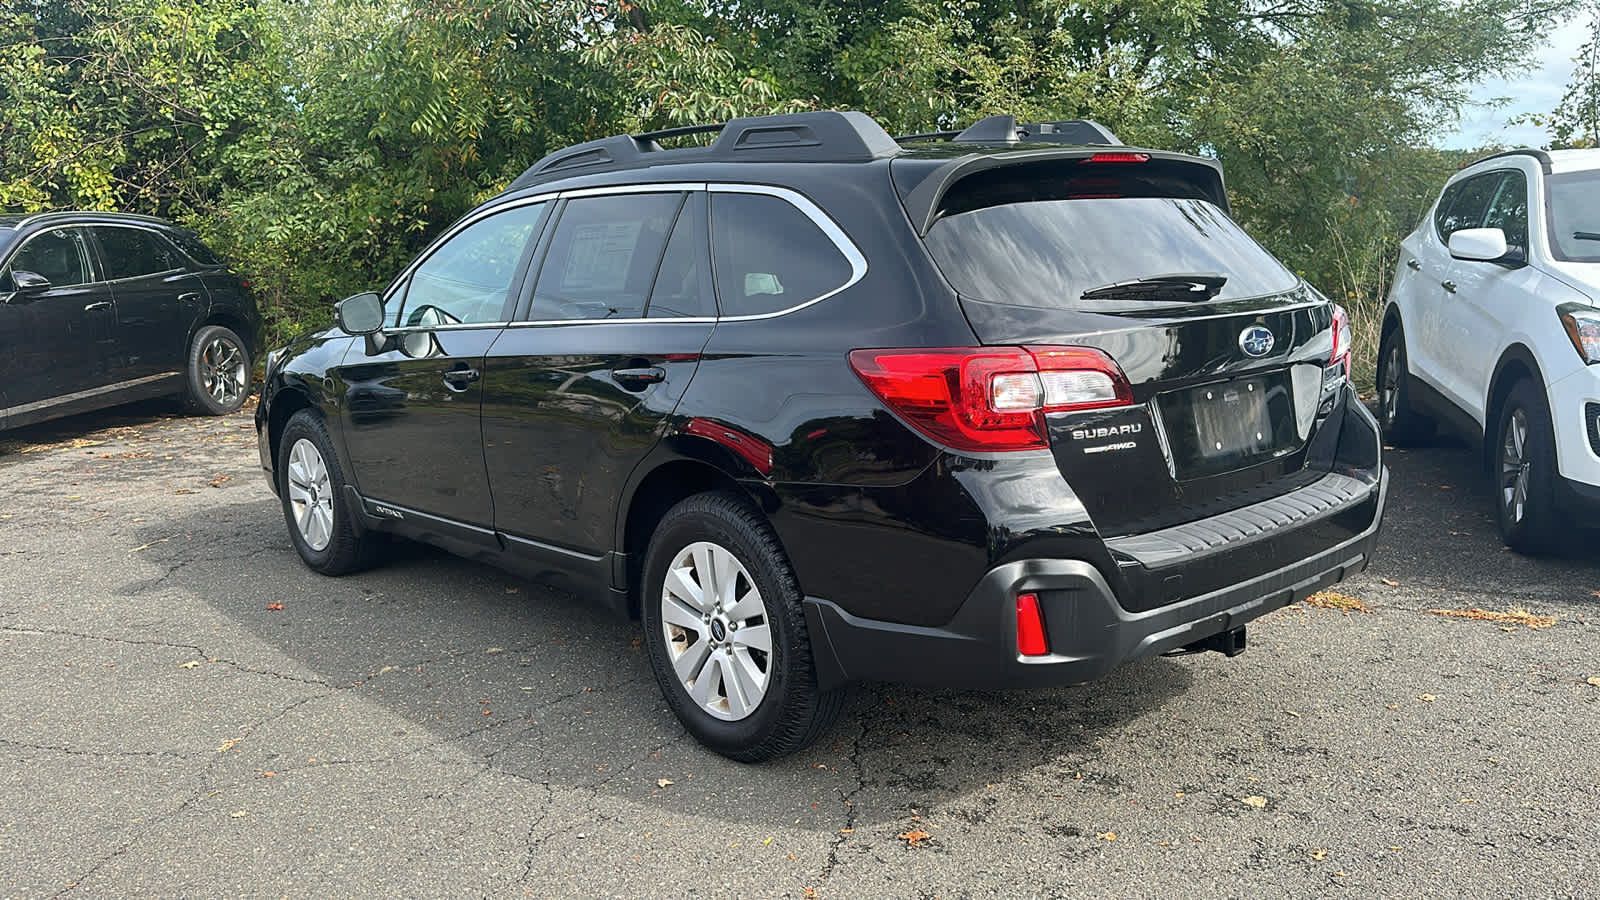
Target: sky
{"x":1537,"y":90}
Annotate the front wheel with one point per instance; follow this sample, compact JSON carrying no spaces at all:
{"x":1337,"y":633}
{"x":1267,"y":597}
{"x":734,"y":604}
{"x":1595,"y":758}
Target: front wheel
{"x":1524,"y":471}
{"x":316,"y":507}
{"x":726,"y":632}
{"x":218,"y":374}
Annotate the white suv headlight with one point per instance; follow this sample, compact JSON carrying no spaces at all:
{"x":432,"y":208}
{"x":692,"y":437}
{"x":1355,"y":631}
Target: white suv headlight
{"x":1583,"y":328}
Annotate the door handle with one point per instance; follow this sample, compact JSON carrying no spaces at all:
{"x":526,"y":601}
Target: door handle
{"x":638,"y":379}
{"x":1415,"y":266}
{"x":97,"y":306}
{"x":1448,"y":285}
{"x":460,"y":379}
{"x":191,"y":297}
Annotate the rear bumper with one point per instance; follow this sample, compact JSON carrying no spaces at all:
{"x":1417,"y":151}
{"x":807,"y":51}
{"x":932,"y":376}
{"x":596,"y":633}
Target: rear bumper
{"x":1089,"y":630}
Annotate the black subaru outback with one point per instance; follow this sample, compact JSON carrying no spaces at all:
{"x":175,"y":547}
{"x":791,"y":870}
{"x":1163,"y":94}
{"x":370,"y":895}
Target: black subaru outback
{"x":998,"y":408}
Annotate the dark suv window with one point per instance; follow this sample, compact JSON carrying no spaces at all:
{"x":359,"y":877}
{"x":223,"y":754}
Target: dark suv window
{"x":466,"y":279}
{"x":770,"y":256}
{"x":603,"y":256}
{"x":683,"y":284}
{"x":60,"y":255}
{"x":1046,"y":253}
{"x":1468,"y":205}
{"x":131,"y":252}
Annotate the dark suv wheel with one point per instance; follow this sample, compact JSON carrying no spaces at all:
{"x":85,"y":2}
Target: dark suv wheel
{"x":727,"y":634}
{"x":218,"y":374}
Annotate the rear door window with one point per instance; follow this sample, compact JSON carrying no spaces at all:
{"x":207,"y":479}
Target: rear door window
{"x":603,"y":256}
{"x":683,"y":283}
{"x":1046,"y":253}
{"x":1574,"y":209}
{"x":132,"y":252}
{"x":770,"y":256}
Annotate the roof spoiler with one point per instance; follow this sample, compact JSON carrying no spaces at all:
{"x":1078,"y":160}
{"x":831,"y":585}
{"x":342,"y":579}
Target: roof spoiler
{"x":1005,"y":130}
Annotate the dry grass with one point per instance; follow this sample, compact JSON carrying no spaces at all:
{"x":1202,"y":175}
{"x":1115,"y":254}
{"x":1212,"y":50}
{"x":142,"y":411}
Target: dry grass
{"x":1516,"y":615}
{"x":1335,"y":600}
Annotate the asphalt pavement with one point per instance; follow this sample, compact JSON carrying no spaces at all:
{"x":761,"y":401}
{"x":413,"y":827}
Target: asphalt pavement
{"x":186,"y":711}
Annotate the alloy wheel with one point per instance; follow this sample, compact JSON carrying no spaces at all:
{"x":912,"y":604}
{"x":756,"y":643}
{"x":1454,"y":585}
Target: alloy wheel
{"x":1514,"y":465}
{"x":222,"y":371}
{"x":310,"y":494}
{"x":1391,"y":385}
{"x":716,"y":629}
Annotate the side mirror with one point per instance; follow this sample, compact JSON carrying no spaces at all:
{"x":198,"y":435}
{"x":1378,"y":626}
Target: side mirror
{"x":1478,"y":244}
{"x":361,"y":314}
{"x":26,"y":281}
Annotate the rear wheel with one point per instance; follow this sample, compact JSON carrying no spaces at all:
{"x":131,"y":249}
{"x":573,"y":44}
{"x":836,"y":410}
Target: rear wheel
{"x":218,"y":374}
{"x":1524,"y":471}
{"x":1402,"y":424}
{"x":726,"y":632}
{"x":316,"y":508}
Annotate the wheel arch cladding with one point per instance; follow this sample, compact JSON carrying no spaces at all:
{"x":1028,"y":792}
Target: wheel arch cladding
{"x":233,"y":323}
{"x":662,"y":488}
{"x":285,"y":404}
{"x":1516,"y":363}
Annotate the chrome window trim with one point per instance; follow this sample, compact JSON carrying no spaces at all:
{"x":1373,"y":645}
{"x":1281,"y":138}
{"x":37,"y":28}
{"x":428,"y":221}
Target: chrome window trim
{"x":463,"y":224}
{"x":830,"y":228}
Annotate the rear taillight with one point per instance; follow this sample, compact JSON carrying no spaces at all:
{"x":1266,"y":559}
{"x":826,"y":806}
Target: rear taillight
{"x":1339,"y":360}
{"x":987,"y":399}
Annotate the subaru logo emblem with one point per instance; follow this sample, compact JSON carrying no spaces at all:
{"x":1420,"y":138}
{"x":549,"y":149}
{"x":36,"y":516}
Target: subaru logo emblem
{"x":1256,"y":341}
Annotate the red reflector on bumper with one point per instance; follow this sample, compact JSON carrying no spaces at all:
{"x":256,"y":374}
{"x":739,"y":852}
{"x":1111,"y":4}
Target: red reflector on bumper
{"x":1030,"y":627}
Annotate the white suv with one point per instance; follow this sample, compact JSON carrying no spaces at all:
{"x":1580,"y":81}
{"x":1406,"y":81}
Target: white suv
{"x":1492,"y":329}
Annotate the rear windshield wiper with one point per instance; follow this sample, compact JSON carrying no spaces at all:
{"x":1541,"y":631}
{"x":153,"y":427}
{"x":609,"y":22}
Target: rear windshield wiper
{"x":1586,"y":235}
{"x":1187,"y":286}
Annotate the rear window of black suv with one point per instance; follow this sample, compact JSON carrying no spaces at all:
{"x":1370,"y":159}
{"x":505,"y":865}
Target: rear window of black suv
{"x":1046,"y":253}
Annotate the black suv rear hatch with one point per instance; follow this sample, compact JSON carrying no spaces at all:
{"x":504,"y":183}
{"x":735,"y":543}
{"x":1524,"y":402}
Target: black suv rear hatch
{"x":1225,"y":349}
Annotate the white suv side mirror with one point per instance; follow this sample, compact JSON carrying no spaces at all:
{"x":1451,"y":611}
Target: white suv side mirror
{"x":1480,"y":244}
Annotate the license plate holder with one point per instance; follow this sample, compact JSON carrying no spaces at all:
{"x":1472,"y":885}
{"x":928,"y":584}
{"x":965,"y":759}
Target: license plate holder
{"x":1230,"y":419}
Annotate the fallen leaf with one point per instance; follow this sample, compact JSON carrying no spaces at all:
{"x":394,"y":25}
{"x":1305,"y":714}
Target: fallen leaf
{"x":236,"y":814}
{"x":228,"y":744}
{"x":1257,"y":802}
{"x":1595,"y":681}
{"x":1335,"y":600}
{"x":811,"y":894}
{"x":1319,"y":855}
{"x":847,"y":831}
{"x":218,"y":480}
{"x":193,"y":663}
{"x":493,"y":650}
{"x":665,"y":782}
{"x":275,"y":607}
{"x":1390,"y":582}
{"x":1516,"y":615}
{"x":1107,"y":836}
{"x":914,"y":838}
{"x":269,"y":774}
{"x":1426,"y":698}
{"x":149,"y":545}
{"x":1292,"y":713}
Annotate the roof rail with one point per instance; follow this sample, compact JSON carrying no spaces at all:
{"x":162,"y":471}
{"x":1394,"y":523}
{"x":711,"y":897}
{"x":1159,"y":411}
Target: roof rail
{"x":1005,"y":130}
{"x":1540,"y":155}
{"x":826,"y":136}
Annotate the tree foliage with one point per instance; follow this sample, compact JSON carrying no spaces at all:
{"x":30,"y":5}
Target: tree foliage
{"x":320,"y":143}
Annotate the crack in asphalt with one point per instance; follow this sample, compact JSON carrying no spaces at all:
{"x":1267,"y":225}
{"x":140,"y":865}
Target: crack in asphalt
{"x":99,"y":754}
{"x":847,"y":799}
{"x":194,"y":648}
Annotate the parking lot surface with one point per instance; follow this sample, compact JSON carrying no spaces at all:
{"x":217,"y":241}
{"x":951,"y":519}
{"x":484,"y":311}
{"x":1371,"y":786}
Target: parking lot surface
{"x":185,"y":710}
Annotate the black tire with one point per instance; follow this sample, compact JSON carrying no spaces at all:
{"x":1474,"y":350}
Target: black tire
{"x":792,"y":713}
{"x":1402,"y":424}
{"x":1534,"y":527}
{"x":348,"y":547}
{"x":217,"y":375}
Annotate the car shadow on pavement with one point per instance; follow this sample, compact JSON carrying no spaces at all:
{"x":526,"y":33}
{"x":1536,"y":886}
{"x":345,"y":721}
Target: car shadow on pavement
{"x":429,"y":655}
